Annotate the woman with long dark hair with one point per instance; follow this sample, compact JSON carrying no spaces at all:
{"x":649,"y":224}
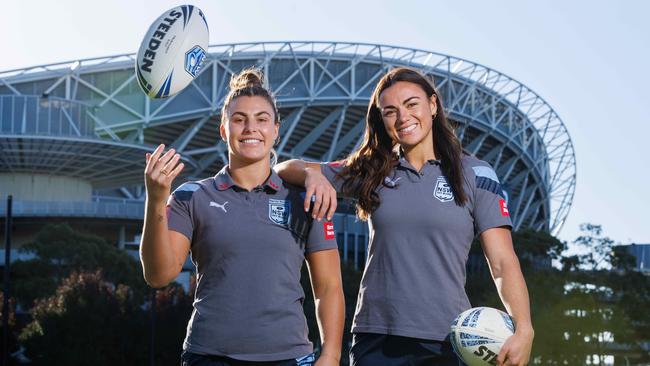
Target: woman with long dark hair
{"x":248,"y":238}
{"x":425,"y":201}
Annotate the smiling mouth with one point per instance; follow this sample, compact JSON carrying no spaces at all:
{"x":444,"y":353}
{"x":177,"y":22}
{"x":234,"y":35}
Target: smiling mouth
{"x":407,"y":129}
{"x":250,"y":141}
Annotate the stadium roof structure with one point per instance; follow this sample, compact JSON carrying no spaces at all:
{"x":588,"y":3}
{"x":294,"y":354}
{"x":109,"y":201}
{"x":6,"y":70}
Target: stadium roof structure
{"x":103,"y":123}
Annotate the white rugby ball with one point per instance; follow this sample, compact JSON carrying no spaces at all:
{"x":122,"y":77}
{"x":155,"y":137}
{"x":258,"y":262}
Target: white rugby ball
{"x":172,"y":51}
{"x":478,"y":334}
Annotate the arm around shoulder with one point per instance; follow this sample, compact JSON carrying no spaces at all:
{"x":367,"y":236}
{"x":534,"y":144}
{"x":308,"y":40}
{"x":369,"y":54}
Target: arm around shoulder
{"x":320,"y":196}
{"x":295,"y":171}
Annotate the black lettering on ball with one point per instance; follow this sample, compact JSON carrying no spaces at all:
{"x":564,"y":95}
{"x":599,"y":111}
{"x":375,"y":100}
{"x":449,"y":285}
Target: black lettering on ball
{"x":146,"y":65}
{"x":480,"y":351}
{"x":154,"y":44}
{"x":159,"y":34}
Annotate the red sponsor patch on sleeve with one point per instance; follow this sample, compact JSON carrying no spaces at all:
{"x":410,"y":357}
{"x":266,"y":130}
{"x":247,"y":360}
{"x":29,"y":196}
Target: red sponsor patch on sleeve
{"x":504,"y":208}
{"x":328,"y":230}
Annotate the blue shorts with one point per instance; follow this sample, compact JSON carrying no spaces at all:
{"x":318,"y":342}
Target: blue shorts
{"x":193,"y":359}
{"x":369,"y":349}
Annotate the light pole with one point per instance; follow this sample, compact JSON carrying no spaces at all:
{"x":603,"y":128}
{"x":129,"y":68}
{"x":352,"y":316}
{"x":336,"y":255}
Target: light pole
{"x":5,"y":297}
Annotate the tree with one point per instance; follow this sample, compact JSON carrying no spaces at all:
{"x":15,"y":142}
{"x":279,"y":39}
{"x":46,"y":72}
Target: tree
{"x":596,"y":250}
{"x":582,"y":310}
{"x":88,"y":321}
{"x":592,"y":307}
{"x":173,"y":311}
{"x":632,"y":298}
{"x":60,"y":251}
{"x":13,"y":345}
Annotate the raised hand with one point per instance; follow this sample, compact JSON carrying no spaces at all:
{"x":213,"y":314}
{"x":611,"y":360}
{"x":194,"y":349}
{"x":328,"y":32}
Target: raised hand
{"x":159,"y":173}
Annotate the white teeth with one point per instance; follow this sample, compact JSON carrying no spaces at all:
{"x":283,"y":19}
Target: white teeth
{"x":407,"y":129}
{"x":250,"y":141}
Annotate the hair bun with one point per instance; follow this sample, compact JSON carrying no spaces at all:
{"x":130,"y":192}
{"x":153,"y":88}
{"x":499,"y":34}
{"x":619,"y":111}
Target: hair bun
{"x":247,"y":78}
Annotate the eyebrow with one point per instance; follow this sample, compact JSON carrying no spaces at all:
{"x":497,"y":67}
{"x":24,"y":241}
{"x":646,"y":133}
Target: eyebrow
{"x":256,"y":114}
{"x":404,"y":102}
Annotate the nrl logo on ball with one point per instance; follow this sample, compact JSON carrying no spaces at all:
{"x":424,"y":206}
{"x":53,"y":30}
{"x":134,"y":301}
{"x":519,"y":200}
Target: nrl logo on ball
{"x":194,"y":60}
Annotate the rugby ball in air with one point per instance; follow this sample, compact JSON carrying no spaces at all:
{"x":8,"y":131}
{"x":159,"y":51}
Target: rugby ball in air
{"x":172,"y":51}
{"x":478,"y":334}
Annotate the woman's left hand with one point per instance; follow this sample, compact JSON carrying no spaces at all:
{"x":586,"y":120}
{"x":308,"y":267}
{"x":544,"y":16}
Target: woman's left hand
{"x":516,"y":349}
{"x":325,"y":360}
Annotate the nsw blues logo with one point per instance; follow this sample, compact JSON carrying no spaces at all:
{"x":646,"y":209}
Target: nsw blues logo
{"x":442,"y":191}
{"x":194,"y":60}
{"x":279,"y":211}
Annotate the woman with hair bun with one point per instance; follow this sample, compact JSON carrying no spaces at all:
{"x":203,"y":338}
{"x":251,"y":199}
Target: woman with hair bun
{"x":248,"y":237}
{"x":426,"y":201}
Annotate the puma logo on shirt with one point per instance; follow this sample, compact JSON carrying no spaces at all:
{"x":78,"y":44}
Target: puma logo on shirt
{"x":223,"y":206}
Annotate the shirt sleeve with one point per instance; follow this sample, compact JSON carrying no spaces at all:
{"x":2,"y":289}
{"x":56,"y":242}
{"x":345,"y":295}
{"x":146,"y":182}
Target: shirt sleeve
{"x":179,"y":217}
{"x":331,"y":170}
{"x":321,"y":236}
{"x":490,"y":203}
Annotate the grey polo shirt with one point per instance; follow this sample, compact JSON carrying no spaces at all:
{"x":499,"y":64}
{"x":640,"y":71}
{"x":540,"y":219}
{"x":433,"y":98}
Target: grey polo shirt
{"x":248,"y":248}
{"x":414,"y":281}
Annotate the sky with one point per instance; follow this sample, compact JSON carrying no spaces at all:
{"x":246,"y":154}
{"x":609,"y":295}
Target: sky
{"x":588,"y":59}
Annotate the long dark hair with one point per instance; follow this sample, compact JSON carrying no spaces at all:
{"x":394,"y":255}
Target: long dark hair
{"x":367,"y":167}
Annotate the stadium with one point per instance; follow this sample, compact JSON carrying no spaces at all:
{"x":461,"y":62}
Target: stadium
{"x":73,"y":135}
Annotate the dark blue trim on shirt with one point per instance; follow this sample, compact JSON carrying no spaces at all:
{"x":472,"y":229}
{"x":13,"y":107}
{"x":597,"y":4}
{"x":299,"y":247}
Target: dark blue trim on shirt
{"x":490,"y":186}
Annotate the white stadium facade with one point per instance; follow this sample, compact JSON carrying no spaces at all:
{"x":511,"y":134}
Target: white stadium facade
{"x":73,"y":135}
